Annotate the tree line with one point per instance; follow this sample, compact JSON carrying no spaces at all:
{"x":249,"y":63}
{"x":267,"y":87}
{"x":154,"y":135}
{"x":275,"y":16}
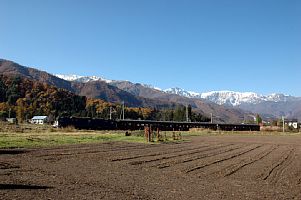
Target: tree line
{"x":22,"y":98}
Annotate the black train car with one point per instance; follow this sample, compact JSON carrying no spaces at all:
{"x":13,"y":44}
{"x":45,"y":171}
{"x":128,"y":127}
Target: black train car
{"x":87,"y":123}
{"x":183,"y":126}
{"x":162,"y":125}
{"x":103,"y":124}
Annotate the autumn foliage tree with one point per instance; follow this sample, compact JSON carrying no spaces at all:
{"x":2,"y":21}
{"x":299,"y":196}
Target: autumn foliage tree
{"x":24,"y":98}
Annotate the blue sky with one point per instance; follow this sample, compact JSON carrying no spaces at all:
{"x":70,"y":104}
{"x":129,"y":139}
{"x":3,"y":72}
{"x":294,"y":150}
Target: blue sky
{"x":198,"y":45}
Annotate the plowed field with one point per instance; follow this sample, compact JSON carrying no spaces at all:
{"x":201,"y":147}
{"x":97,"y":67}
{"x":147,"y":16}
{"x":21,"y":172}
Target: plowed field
{"x":207,"y":167}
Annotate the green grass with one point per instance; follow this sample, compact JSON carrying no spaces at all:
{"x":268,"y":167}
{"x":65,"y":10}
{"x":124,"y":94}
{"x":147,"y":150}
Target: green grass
{"x":28,"y":140}
{"x":46,"y":138}
{"x":38,"y":136}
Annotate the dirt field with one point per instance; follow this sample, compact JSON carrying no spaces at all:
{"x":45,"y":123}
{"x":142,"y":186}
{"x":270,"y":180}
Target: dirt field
{"x":207,"y":167}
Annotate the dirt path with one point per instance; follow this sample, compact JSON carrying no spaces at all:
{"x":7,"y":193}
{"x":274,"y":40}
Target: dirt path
{"x":211,"y":167}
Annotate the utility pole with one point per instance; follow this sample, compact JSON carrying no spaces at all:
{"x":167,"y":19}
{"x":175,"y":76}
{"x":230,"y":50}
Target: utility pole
{"x":187,"y":117}
{"x":283,"y":124}
{"x":211,"y":117}
{"x":110,"y":112}
{"x":123,"y":110}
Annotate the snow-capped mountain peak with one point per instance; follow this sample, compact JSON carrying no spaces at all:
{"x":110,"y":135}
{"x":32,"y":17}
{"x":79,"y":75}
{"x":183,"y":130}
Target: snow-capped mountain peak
{"x":82,"y":79}
{"x":276,"y":97}
{"x":182,"y":92}
{"x":70,"y":77}
{"x":224,"y":97}
{"x":230,"y":97}
{"x":151,"y":86}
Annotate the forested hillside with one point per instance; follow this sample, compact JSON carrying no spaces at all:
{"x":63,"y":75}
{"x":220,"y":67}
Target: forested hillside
{"x":95,"y":89}
{"x":134,"y":95}
{"x":23,"y":98}
{"x":9,"y":68}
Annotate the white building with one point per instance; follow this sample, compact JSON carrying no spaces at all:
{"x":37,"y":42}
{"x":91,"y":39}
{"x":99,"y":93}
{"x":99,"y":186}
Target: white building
{"x":11,"y":120}
{"x":292,"y":123}
{"x":39,"y":119}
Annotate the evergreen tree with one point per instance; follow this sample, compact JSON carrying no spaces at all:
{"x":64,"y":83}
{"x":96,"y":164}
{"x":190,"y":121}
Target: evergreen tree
{"x":2,"y":91}
{"x":258,"y":119}
{"x":179,"y":114}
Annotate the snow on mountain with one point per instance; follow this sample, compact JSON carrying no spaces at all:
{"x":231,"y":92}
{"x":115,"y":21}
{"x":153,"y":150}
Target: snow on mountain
{"x":279,"y":97}
{"x":67,"y":77}
{"x":82,"y":79}
{"x":230,"y":97}
{"x":85,"y":79}
{"x":238,"y":98}
{"x":152,"y":87}
{"x":182,"y":92}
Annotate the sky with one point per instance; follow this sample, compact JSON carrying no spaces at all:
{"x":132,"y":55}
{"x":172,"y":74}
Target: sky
{"x":197,"y":45}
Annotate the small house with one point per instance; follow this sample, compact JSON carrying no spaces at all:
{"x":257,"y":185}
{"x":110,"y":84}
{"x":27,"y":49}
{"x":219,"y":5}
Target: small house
{"x":39,"y":119}
{"x":292,"y":123}
{"x":11,"y":120}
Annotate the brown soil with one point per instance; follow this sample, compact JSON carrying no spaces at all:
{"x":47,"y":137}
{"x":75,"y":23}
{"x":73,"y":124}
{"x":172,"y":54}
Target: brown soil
{"x":211,"y":167}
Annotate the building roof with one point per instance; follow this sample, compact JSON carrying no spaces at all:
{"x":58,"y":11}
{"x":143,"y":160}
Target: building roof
{"x":39,"y":117}
{"x":290,"y":120}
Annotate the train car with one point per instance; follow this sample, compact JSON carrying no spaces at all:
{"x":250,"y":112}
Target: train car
{"x":87,"y":123}
{"x":103,"y":124}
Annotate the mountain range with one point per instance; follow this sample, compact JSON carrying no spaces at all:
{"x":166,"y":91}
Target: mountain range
{"x":225,"y":106}
{"x":270,"y":106}
{"x":229,"y":98}
{"x":232,"y":98}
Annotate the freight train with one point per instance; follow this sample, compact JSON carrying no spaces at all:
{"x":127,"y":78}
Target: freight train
{"x":104,"y":124}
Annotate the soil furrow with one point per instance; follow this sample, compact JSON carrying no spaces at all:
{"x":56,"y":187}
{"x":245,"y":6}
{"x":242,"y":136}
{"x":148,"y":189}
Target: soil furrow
{"x":167,"y":157}
{"x":221,"y":160}
{"x":4,"y":165}
{"x":277,"y":165}
{"x":228,"y":166}
{"x":157,"y":154}
{"x":87,"y":150}
{"x":111,"y":149}
{"x":249,"y":161}
{"x":279,"y":173}
{"x":169,"y":164}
